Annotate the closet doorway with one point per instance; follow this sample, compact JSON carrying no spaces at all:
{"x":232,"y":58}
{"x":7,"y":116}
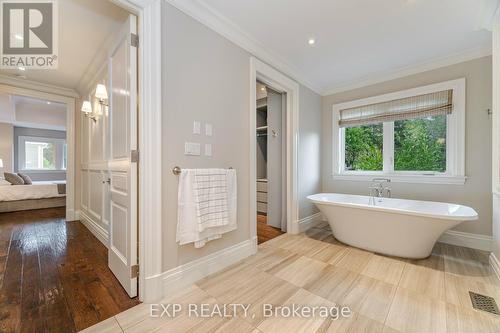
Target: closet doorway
{"x":271,"y":137}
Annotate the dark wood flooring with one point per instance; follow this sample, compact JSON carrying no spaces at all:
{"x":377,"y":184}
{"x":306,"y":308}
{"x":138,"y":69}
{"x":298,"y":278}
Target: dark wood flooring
{"x":266,"y":232}
{"x":54,"y":275}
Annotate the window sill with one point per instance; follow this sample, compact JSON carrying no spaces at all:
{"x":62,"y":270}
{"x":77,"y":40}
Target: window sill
{"x":399,"y":178}
{"x":41,"y":171}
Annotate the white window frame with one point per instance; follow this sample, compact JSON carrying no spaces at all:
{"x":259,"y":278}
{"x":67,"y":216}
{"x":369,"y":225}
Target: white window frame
{"x":59,"y":145}
{"x":455,"y":140}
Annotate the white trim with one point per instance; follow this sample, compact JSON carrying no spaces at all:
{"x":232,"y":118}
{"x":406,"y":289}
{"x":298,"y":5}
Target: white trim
{"x":495,"y":264}
{"x":400,"y":178}
{"x":99,"y":232}
{"x":184,"y":275}
{"x":33,"y":85}
{"x":473,"y":241}
{"x":496,"y":109}
{"x":268,"y":75}
{"x":455,"y":149}
{"x":310,"y":221}
{"x":70,"y":136}
{"x":413,"y":69}
{"x":149,"y":14}
{"x":208,"y":16}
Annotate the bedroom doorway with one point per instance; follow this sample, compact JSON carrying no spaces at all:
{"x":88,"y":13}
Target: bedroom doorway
{"x":38,"y":146}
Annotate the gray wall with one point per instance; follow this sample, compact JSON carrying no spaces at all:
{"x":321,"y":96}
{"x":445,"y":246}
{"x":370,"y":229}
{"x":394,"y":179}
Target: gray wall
{"x":207,"y":78}
{"x":309,"y":155}
{"x":6,"y":147}
{"x":24,"y":131}
{"x":477,"y":190}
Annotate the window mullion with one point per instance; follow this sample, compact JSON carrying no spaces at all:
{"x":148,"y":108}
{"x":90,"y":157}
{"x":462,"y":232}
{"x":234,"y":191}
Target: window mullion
{"x":388,"y":148}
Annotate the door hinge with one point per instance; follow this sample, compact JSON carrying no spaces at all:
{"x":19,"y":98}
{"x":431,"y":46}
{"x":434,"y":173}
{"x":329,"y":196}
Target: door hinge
{"x":134,"y":271}
{"x":134,"y":40}
{"x":134,"y":156}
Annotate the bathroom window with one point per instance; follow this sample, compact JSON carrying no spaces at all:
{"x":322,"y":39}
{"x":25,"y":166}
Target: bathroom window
{"x":415,"y":135}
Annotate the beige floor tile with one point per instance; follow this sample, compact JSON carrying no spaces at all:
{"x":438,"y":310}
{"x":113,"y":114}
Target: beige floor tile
{"x":412,"y":312}
{"x":332,"y":284}
{"x":109,"y":325}
{"x":457,"y":290}
{"x":356,"y":323}
{"x":304,"y":245}
{"x":300,"y":271}
{"x":181,"y":322}
{"x":354,"y":260}
{"x":423,"y":280}
{"x":276,"y":296}
{"x":317,"y":233}
{"x":434,"y":261}
{"x":133,"y":315}
{"x":268,"y":258}
{"x":220,"y":325}
{"x":370,"y":297}
{"x":384,"y":269}
{"x":329,"y":254}
{"x":462,"y":320}
{"x":229,"y":281}
{"x":277,"y":324}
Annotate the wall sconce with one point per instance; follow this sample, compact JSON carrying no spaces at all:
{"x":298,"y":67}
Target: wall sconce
{"x":87,"y":110}
{"x":101,"y":94}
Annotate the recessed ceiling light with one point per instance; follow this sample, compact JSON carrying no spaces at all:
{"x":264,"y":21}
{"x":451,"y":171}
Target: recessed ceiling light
{"x":21,"y":68}
{"x":311,"y":41}
{"x":48,"y":103}
{"x":263,"y":88}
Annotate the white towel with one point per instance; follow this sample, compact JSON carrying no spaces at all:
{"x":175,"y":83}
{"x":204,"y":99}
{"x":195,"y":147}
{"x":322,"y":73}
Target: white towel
{"x":193,"y":227}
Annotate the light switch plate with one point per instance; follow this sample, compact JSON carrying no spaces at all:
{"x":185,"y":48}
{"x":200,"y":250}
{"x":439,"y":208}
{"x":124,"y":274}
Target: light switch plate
{"x":196,"y":127}
{"x":208,"y":149}
{"x":192,"y":148}
{"x":208,"y":129}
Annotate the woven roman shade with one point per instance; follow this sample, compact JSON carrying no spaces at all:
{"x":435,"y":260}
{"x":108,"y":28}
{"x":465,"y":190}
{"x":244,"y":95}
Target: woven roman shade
{"x":421,"y":106}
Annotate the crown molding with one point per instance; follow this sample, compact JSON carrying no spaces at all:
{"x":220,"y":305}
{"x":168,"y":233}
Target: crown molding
{"x":34,"y":85}
{"x":411,"y":70}
{"x":211,"y":18}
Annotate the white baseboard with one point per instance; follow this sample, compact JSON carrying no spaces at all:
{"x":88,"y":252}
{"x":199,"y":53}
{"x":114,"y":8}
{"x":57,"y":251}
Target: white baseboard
{"x":474,"y":241}
{"x":167,"y":283}
{"x":495,"y":264}
{"x":99,"y":232}
{"x":310,"y":221}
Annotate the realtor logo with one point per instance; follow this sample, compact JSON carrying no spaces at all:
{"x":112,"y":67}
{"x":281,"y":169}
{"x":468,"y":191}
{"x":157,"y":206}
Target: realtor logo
{"x":29,"y":34}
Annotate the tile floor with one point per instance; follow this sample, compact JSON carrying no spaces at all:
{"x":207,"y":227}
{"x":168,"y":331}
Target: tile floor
{"x":385,"y":294}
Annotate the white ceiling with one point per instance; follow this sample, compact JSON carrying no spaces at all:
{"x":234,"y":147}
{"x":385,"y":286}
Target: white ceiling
{"x":355,"y":39}
{"x":84,"y":27}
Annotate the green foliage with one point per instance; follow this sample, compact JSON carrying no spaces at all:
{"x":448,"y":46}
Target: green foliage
{"x":364,"y":147}
{"x":419,"y":145}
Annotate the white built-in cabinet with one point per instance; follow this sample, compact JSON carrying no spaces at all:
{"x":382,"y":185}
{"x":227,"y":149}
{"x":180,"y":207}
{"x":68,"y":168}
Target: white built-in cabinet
{"x":94,"y":204}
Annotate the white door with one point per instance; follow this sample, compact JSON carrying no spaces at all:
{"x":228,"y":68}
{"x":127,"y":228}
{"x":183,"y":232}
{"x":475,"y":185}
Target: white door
{"x":122,"y":254}
{"x":274,"y":156}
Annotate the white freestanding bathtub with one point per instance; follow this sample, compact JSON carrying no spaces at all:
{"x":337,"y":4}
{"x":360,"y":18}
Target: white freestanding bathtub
{"x":397,"y":227}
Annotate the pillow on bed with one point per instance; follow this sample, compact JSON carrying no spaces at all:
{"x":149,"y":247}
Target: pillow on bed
{"x":13,"y":178}
{"x":26,"y":178}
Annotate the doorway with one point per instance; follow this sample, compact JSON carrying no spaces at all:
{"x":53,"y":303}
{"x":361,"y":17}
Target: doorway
{"x":270,"y":116}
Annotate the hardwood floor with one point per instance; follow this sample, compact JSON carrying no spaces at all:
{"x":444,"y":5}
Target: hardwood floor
{"x":264,"y":231}
{"x":54,"y":275}
{"x":385,"y":294}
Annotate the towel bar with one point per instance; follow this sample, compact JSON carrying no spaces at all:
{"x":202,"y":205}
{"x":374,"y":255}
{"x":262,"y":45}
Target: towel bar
{"x":177,"y":170}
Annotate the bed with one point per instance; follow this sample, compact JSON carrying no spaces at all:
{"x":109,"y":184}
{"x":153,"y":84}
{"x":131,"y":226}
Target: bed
{"x":47,"y":194}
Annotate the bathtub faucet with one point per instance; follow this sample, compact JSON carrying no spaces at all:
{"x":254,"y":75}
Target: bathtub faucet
{"x":377,"y":188}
